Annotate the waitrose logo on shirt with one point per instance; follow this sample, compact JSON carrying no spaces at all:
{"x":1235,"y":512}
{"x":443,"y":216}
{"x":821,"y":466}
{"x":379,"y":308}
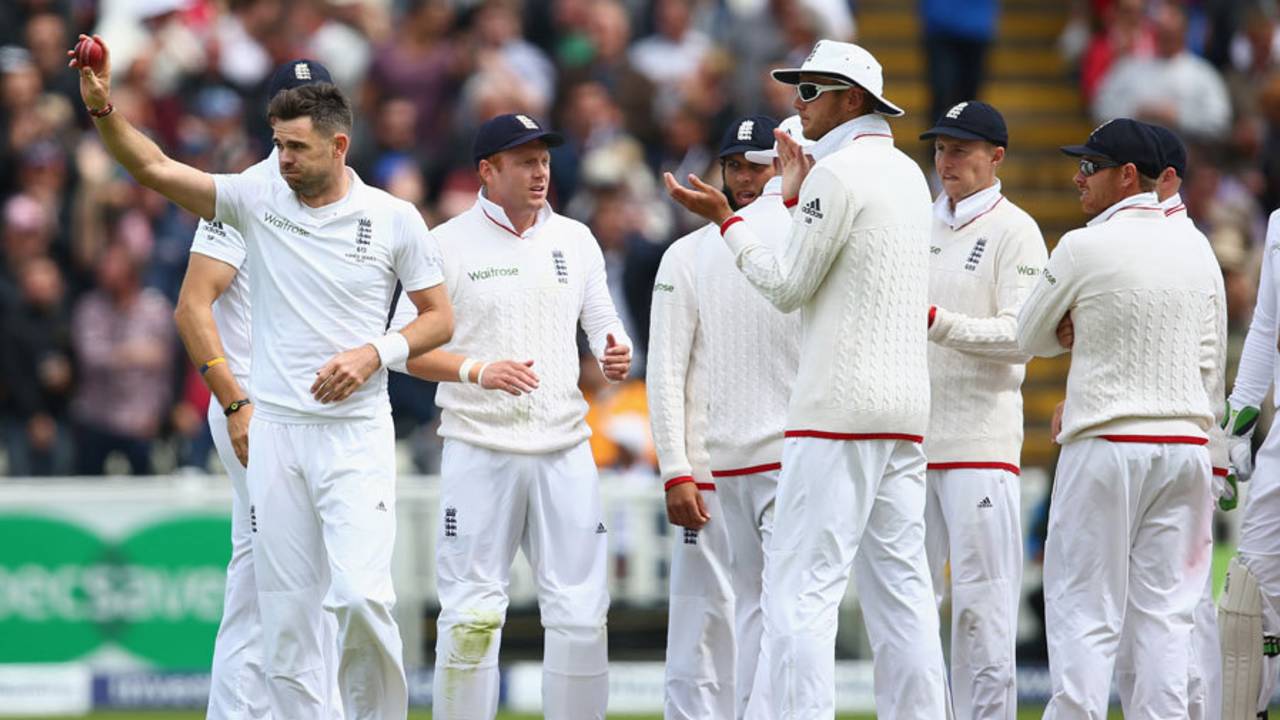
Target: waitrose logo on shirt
{"x":493,"y":272}
{"x":285,"y":224}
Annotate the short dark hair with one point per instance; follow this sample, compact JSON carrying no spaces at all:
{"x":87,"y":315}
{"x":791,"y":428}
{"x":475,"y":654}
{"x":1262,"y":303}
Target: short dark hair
{"x":324,"y":103}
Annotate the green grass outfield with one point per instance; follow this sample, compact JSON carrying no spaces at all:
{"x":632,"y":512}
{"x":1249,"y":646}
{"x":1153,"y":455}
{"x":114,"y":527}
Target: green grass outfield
{"x":1027,"y":714}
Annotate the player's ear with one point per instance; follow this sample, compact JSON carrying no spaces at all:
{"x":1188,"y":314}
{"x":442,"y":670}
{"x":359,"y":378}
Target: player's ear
{"x":997,"y":157}
{"x":1130,"y":175}
{"x":341,"y":142}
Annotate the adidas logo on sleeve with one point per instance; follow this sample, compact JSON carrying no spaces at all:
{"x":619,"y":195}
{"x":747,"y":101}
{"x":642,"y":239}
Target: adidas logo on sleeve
{"x":812,"y":211}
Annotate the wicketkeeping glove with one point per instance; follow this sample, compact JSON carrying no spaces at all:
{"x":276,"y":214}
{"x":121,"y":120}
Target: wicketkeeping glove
{"x":1238,"y":424}
{"x":1226,"y":489}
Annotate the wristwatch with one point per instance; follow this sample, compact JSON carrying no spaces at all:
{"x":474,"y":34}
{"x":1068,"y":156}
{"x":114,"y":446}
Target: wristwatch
{"x":236,"y":405}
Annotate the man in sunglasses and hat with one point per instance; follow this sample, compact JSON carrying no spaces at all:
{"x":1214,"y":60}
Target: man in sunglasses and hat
{"x":1124,"y":561}
{"x":986,"y":255}
{"x":517,"y":471}
{"x":851,"y":493}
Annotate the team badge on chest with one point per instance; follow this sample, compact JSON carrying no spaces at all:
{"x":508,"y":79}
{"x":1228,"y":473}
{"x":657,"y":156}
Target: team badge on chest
{"x":975,"y":255}
{"x":364,"y":238}
{"x":562,"y":267}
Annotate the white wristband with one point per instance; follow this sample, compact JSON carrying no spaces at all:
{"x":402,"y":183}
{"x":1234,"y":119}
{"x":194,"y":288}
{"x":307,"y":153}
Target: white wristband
{"x":393,"y":349}
{"x":464,"y":371}
{"x":480,"y":375}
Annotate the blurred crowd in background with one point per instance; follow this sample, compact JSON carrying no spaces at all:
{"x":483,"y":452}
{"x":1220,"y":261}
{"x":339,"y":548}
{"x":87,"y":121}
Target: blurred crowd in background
{"x":93,"y":378}
{"x":1211,"y":70}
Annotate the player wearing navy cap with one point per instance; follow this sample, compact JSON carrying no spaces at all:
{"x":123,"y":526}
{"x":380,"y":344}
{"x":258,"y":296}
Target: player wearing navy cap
{"x":986,"y":254}
{"x":1124,"y":561}
{"x":1204,"y":690}
{"x":517,"y":471}
{"x":719,"y":455}
{"x":213,"y":318}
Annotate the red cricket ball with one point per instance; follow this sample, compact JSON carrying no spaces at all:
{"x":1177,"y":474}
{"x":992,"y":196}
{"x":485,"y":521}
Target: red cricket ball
{"x":90,"y":54}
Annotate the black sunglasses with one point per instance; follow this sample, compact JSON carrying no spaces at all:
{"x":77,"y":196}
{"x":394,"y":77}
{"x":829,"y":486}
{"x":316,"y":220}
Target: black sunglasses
{"x":1089,"y":167}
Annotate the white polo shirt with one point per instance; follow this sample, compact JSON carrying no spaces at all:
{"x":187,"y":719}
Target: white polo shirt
{"x":231,"y":311}
{"x":521,"y":296}
{"x":322,"y":280}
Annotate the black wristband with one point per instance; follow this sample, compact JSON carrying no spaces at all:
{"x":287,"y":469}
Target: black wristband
{"x":236,"y":405}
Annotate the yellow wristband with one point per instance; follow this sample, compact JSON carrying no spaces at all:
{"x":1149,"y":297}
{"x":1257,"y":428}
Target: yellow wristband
{"x":216,"y":361}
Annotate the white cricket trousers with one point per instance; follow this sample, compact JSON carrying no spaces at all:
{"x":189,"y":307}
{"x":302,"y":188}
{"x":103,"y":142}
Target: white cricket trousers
{"x":748,"y":501}
{"x":841,"y":505}
{"x":323,"y":525}
{"x":973,"y":521}
{"x":1125,"y":564}
{"x":548,"y":505}
{"x":1204,"y":682}
{"x":700,"y":637}
{"x":237,"y":683}
{"x":1259,"y":547}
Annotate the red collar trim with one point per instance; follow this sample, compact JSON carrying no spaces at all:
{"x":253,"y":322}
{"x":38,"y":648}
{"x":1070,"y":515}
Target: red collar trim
{"x":862,"y":135}
{"x":1156,"y":208}
{"x":984,"y":212}
{"x":504,"y":227}
{"x":1175,"y":210}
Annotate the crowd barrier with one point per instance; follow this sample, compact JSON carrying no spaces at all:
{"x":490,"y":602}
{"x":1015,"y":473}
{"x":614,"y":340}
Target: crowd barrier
{"x":111,"y":588}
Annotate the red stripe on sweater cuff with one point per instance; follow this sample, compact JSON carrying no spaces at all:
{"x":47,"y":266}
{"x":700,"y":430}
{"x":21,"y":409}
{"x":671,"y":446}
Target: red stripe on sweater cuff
{"x":724,"y":226}
{"x":1221,"y":472}
{"x":677,"y":481}
{"x":706,"y":486}
{"x":933,"y":314}
{"x":792,"y":202}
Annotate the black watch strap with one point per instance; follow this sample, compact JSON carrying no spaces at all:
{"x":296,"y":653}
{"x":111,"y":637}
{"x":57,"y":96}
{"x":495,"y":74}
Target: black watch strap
{"x":236,"y":405}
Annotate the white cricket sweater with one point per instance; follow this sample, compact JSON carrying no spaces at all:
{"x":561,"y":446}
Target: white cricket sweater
{"x":985,"y":257}
{"x":521,"y":297}
{"x":856,"y":259}
{"x":1146,"y":297}
{"x":754,"y":349}
{"x":1258,"y":371}
{"x":676,"y":376}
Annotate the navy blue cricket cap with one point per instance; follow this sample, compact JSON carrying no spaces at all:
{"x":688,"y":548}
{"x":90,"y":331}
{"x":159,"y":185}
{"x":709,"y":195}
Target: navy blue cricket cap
{"x":1173,"y":152}
{"x":507,"y":131}
{"x":972,"y":120}
{"x":1122,"y":141}
{"x":296,"y":73}
{"x":754,"y":132}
